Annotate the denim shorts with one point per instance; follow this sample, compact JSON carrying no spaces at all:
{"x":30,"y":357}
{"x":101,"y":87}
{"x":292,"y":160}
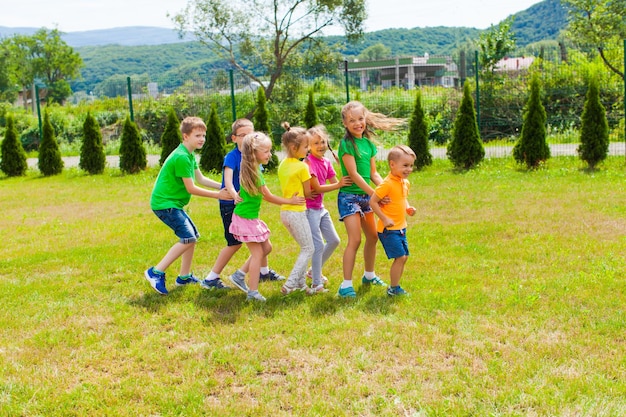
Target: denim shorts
{"x":394,"y":242}
{"x":349,"y":204}
{"x":180,"y":223}
{"x":226,"y":211}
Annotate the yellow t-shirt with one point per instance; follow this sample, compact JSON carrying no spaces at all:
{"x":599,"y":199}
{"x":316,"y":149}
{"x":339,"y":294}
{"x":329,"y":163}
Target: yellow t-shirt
{"x":292,"y":173}
{"x":397,"y":189}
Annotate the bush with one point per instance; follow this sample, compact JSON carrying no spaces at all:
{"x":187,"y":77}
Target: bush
{"x":171,"y":137}
{"x":594,"y":131}
{"x":261,"y":124}
{"x":12,"y":155}
{"x":92,"y":157}
{"x":310,"y":113}
{"x":531,"y":148}
{"x":466,"y":150}
{"x":418,"y":135}
{"x":50,"y":161}
{"x":214,"y":148}
{"x":132,"y":151}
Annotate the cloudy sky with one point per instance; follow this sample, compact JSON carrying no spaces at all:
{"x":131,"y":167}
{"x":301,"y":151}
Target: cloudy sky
{"x":80,"y":15}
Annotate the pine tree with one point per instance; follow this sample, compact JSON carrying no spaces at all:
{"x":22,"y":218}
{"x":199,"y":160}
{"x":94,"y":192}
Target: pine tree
{"x":214,"y":149}
{"x":531,"y":148}
{"x":171,"y":137}
{"x":92,"y":157}
{"x":594,"y":130}
{"x":12,"y":155}
{"x":132,"y":151}
{"x":261,"y":124}
{"x":50,"y":161}
{"x":466,"y":149}
{"x":310,"y":113}
{"x":418,"y":135}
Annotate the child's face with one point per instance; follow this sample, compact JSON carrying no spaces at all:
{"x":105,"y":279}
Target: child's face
{"x":354,"y":121}
{"x":237,"y":136}
{"x":263,"y":153}
{"x":196,"y":138}
{"x":318,"y":146}
{"x":402,"y":167}
{"x":301,"y":151}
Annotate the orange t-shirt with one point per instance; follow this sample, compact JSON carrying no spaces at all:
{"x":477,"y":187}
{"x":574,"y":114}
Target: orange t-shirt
{"x":397,"y":189}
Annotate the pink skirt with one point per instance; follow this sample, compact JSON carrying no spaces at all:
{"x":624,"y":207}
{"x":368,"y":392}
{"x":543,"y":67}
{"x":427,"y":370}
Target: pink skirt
{"x":249,"y":230}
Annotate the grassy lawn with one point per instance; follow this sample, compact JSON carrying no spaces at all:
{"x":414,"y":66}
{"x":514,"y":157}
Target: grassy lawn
{"x":516,"y":308}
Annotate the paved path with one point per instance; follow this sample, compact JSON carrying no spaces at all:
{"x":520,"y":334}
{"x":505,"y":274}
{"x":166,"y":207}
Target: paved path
{"x":567,"y":149}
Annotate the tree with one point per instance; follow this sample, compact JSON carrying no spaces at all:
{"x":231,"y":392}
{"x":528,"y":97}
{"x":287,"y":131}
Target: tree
{"x":92,"y":157}
{"x":418,"y":135}
{"x":495,"y":44}
{"x":214,"y":149}
{"x":132,"y":151}
{"x":171,"y":137}
{"x":531,"y":148}
{"x":261,"y":124}
{"x":594,"y":131}
{"x":50,"y":161}
{"x":12,"y":155}
{"x":466,"y":150}
{"x":310,"y":113}
{"x":258,"y":37}
{"x":374,"y":52}
{"x":598,"y":24}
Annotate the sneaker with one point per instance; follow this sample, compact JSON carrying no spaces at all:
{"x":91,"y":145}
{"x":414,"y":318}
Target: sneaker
{"x":156,"y":280}
{"x":309,"y":275}
{"x":373,"y":281}
{"x":255,"y":296}
{"x":214,"y":284}
{"x":316,"y":289}
{"x":287,"y":289}
{"x":346,"y":292}
{"x":271,"y":276}
{"x":394,"y":291}
{"x":239,"y":281}
{"x":184,"y":281}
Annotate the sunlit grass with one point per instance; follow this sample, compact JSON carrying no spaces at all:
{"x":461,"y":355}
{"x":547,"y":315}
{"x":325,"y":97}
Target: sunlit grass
{"x":516,"y":307}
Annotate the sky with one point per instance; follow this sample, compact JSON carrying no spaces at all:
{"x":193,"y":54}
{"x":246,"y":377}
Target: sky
{"x":81,"y":15}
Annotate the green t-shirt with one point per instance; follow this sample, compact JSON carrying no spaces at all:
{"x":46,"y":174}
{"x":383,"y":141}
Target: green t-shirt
{"x":365,"y":151}
{"x":169,"y":190}
{"x":250,"y":207}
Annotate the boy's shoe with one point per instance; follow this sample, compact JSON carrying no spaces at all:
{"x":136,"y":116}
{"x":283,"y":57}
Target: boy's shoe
{"x":346,"y":292}
{"x":239,"y":281}
{"x":255,"y":296}
{"x":214,"y":284}
{"x":395,"y":291}
{"x":309,"y":275}
{"x":157,"y":281}
{"x":316,"y":289}
{"x":184,"y":281}
{"x":373,"y":281}
{"x":271,"y":276}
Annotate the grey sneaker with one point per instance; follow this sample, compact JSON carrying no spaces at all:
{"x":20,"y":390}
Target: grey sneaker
{"x":239,"y":281}
{"x":255,"y":296}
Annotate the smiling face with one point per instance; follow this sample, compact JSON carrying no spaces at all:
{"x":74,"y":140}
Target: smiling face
{"x":195,"y":139}
{"x":263,"y":153}
{"x":318,"y":146}
{"x":403,"y":166}
{"x":354,"y":121}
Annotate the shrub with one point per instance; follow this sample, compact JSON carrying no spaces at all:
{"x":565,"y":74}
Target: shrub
{"x":418,"y":135}
{"x":594,"y":131}
{"x":531,"y":148}
{"x":466,"y":149}
{"x":92,"y":157}
{"x":12,"y":155}
{"x":214,"y":149}
{"x":310,"y":113}
{"x":261,"y":124}
{"x":50,"y":161}
{"x":171,"y":137}
{"x":132,"y":151}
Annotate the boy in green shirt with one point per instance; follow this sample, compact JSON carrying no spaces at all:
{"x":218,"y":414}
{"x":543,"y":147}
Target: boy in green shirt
{"x":172,"y":191}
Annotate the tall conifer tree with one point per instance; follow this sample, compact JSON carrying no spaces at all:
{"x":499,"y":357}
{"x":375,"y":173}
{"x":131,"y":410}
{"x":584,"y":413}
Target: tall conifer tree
{"x":92,"y":157}
{"x":418,"y":135}
{"x":594,"y":130}
{"x":466,"y":149}
{"x":50,"y":161}
{"x":132,"y":151}
{"x":171,"y":137}
{"x":214,"y":149}
{"x":532,"y":149}
{"x":12,"y":154}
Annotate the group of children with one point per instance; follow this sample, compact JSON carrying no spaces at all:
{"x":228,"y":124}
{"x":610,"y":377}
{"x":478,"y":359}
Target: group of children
{"x":305,"y":175}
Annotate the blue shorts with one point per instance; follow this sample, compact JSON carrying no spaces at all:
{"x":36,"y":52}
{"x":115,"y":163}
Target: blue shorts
{"x":180,"y":223}
{"x":226,"y":211}
{"x":349,"y":204}
{"x":394,"y":242}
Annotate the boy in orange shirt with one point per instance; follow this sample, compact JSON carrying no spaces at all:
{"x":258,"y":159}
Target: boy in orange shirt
{"x":391,"y":226}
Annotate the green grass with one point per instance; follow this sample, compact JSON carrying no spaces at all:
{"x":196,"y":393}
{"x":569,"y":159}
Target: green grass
{"x":516,"y":307}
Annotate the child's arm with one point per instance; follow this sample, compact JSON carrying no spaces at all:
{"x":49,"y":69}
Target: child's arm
{"x":410,"y":210}
{"x":374,"y":175}
{"x":268,"y":196}
{"x":375,"y":205}
{"x":207,"y":182}
{"x":193,"y":189}
{"x":228,"y":183}
{"x":350,"y":163}
{"x":333,"y":184}
{"x":306,"y":187}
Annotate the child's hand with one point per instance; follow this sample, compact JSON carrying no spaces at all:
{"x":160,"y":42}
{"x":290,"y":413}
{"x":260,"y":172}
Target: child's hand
{"x":345,"y":181}
{"x":237,"y":198}
{"x":298,"y":201}
{"x":384,"y":200}
{"x":410,"y":211}
{"x":387,"y":222}
{"x":224,"y":194}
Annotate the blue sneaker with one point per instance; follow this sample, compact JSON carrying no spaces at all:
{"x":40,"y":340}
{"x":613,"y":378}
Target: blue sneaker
{"x":374,"y":281}
{"x":184,"y":281}
{"x":395,"y":291}
{"x":239,"y":281}
{"x":271,"y":276}
{"x":156,"y":280}
{"x":346,"y":292}
{"x":214,"y":284}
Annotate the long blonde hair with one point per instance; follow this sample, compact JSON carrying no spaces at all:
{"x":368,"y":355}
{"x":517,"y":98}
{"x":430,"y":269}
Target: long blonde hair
{"x":249,"y":174}
{"x":372,"y":120}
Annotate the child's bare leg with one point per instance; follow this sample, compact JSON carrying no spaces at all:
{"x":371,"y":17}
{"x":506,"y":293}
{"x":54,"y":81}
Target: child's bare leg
{"x":397,"y":268}
{"x":174,"y":253}
{"x":224,"y":257}
{"x":371,"y":239}
{"x":353,"y":229}
{"x":256,"y":256}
